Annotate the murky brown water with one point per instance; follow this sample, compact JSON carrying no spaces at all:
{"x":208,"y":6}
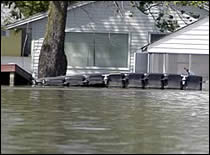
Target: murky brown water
{"x":104,"y":121}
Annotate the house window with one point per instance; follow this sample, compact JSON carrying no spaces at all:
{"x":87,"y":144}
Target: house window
{"x":156,"y":36}
{"x":96,"y":49}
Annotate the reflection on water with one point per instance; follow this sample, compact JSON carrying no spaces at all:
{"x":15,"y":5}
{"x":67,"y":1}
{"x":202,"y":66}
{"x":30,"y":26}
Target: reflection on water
{"x":104,"y":121}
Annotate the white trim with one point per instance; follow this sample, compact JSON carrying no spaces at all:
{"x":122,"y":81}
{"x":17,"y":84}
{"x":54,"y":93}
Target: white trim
{"x":164,"y":63}
{"x":199,"y":51}
{"x":129,"y":52}
{"x":148,"y":62}
{"x":97,"y":68}
{"x":25,"y":21}
{"x":96,"y":31}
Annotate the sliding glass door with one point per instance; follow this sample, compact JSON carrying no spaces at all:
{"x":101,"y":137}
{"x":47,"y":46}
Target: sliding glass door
{"x":96,"y":49}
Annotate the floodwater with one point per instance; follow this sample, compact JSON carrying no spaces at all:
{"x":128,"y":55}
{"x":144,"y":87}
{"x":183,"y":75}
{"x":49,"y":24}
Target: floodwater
{"x":84,"y":120}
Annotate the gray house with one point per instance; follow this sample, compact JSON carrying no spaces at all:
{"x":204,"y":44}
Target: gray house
{"x":98,"y":39}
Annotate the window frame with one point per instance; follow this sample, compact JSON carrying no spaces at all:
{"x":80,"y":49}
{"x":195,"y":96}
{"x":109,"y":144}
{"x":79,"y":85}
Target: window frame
{"x":155,"y":33}
{"x":104,"y":68}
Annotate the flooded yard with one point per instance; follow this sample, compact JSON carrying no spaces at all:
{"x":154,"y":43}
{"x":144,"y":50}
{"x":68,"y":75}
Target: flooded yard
{"x":90,"y":120}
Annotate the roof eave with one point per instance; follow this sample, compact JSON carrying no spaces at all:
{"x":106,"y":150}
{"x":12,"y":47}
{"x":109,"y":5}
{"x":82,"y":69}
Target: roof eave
{"x":25,"y":21}
{"x":41,"y":16}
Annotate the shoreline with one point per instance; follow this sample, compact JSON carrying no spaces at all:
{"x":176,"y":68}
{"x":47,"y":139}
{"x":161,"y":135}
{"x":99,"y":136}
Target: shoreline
{"x":205,"y":89}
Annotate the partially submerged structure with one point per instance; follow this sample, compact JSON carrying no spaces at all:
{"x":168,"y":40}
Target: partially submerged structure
{"x":16,"y":48}
{"x":12,"y":74}
{"x":98,"y":39}
{"x":126,"y":80}
{"x":185,"y":48}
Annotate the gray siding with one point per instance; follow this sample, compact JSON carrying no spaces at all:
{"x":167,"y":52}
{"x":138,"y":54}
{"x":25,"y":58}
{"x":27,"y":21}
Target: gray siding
{"x":100,"y":17}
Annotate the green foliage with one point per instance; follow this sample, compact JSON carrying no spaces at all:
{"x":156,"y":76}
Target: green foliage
{"x":165,"y":20}
{"x":27,"y":8}
{"x":199,"y":4}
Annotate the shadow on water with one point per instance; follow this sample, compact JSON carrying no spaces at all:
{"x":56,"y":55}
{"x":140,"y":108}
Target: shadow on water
{"x":104,"y":121}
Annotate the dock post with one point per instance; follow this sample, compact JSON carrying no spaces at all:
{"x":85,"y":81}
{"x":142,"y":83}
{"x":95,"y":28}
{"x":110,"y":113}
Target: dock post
{"x":11,"y":79}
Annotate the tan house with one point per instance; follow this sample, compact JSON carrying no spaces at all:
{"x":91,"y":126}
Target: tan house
{"x":16,"y":48}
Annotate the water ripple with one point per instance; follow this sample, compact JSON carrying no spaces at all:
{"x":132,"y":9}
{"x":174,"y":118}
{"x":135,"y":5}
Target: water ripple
{"x":104,"y":121}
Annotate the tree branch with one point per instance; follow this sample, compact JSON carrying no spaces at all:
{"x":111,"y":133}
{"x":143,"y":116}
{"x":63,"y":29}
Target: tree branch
{"x":158,"y":4}
{"x":118,"y":8}
{"x":178,"y":14}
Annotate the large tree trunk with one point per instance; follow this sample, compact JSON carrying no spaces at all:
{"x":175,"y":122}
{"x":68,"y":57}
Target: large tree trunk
{"x":52,"y":60}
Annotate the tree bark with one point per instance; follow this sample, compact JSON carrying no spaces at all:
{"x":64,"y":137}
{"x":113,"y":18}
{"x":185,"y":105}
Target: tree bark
{"x":52,"y":59}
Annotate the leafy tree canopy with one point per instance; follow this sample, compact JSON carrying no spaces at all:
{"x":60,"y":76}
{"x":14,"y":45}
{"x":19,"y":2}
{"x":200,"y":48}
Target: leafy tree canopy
{"x":27,"y":8}
{"x":165,"y":20}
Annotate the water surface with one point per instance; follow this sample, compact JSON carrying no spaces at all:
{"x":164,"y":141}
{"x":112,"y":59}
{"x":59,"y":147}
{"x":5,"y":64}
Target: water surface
{"x":59,"y":120}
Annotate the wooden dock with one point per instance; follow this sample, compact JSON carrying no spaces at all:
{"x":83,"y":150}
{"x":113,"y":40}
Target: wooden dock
{"x":12,"y":74}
